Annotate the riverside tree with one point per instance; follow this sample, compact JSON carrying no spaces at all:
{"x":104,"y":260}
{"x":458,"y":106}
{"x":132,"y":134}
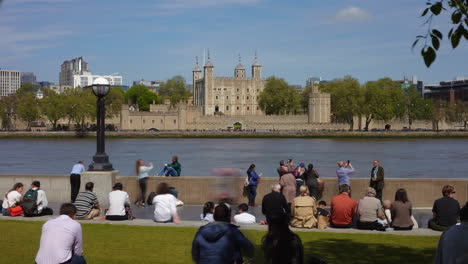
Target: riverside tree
{"x":278,"y":98}
{"x":53,"y":107}
{"x":458,"y":112}
{"x":142,"y":96}
{"x":175,"y":90}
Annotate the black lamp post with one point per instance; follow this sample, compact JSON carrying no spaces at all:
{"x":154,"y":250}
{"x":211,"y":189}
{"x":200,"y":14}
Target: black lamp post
{"x":101,"y":162}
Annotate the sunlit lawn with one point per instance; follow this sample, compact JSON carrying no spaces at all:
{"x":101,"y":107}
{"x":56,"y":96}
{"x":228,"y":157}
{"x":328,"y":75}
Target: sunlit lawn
{"x":19,"y":241}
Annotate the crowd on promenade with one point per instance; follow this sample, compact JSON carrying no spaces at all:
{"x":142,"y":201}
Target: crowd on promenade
{"x":295,"y":201}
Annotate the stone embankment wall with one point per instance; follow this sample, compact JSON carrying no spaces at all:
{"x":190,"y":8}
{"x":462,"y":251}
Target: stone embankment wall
{"x":198,"y":190}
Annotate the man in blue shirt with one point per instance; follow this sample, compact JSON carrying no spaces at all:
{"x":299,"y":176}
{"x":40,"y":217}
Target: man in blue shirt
{"x":342,"y":172}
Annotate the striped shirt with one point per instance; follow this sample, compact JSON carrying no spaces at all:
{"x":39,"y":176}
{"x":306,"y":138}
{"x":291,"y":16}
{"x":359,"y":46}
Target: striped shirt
{"x":85,"y":201}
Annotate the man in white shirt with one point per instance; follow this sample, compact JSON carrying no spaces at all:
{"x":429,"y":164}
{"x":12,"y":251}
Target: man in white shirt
{"x":75,"y":179}
{"x":243,"y":217}
{"x":61,"y":239}
{"x":118,"y":202}
{"x":40,"y":203}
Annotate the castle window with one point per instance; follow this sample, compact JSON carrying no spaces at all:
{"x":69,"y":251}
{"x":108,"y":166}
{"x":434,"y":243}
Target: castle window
{"x":162,"y":121}
{"x":174,"y":121}
{"x":237,"y":97}
{"x":247,"y":90}
{"x":257,"y":108}
{"x":248,"y":108}
{"x":216,"y":97}
{"x":214,"y":89}
{"x":247,"y":98}
{"x":152,"y":122}
{"x":237,"y":89}
{"x":227,"y":97}
{"x":227,"y":107}
{"x":143,"y":121}
{"x":131,"y":121}
{"x":237,"y":108}
{"x":257,"y":90}
{"x":225,"y":89}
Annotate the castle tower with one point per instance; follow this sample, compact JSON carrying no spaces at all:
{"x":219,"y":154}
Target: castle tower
{"x":239,"y":72}
{"x":319,"y":106}
{"x":256,"y":69}
{"x":208,"y":85}
{"x":196,"y":75}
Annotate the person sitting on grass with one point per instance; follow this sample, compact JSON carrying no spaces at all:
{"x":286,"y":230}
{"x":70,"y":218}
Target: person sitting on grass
{"x":453,"y":243}
{"x":369,"y":211}
{"x":220,"y":242}
{"x":303,"y":210}
{"x":87,"y":204}
{"x":12,"y":198}
{"x":35,"y":201}
{"x":323,"y":215}
{"x":280,"y":245}
{"x":173,"y":169}
{"x":244,"y":217}
{"x":165,"y":204}
{"x":208,"y":210}
{"x":445,"y":210}
{"x":119,"y":205}
{"x":402,"y":210}
{"x":61,"y":239}
{"x":342,"y":209}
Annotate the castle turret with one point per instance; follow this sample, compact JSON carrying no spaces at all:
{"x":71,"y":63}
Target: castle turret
{"x":239,"y":72}
{"x":319,"y":106}
{"x":196,"y":75}
{"x":256,"y":69}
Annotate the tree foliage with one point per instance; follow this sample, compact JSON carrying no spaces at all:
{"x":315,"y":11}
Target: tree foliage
{"x":28,"y":109}
{"x":175,"y":90}
{"x":458,"y":10}
{"x":53,"y":107}
{"x":278,"y":98}
{"x":80,"y":105}
{"x":141,"y":95}
{"x":458,"y":112}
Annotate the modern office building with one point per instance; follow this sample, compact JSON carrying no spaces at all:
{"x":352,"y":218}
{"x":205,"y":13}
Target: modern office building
{"x":406,"y":83}
{"x":58,"y":88}
{"x":28,"y":77}
{"x":449,"y":91}
{"x":70,"y":68}
{"x":10,"y":82}
{"x":313,"y":80}
{"x":87,"y":79}
{"x":150,"y":84}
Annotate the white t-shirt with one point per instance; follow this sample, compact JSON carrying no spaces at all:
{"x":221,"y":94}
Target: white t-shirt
{"x":13,"y":198}
{"x":78,"y":168}
{"x":208,"y":217}
{"x":164,"y":207}
{"x":41,"y":200}
{"x":244,"y":218}
{"x":117,"y":201}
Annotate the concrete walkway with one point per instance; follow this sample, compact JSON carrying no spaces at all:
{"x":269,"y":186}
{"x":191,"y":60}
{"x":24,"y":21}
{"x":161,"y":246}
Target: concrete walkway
{"x":149,"y":222}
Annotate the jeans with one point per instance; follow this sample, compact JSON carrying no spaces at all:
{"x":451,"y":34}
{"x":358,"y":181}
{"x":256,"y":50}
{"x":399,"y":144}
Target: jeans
{"x":252,"y":194}
{"x":76,"y":260}
{"x":142,"y":183}
{"x":75,"y":182}
{"x":168,"y":171}
{"x":5,"y":212}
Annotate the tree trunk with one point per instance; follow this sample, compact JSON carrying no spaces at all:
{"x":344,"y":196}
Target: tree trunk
{"x":351,"y":125}
{"x":410,"y":122}
{"x":360,"y":122}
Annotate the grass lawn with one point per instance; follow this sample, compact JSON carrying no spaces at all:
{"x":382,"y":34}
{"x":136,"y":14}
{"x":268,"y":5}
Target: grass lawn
{"x":19,"y":242}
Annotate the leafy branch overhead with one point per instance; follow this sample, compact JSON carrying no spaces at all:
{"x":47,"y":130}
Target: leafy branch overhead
{"x":433,"y":37}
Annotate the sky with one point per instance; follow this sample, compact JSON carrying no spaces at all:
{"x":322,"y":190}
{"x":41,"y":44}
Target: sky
{"x":158,"y":39}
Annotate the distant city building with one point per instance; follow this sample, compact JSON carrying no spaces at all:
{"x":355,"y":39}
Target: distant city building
{"x":235,"y":95}
{"x":87,"y":79}
{"x":406,"y":83}
{"x":70,"y":68}
{"x":58,"y":88}
{"x":313,"y":80}
{"x":449,"y":91}
{"x":39,"y":94}
{"x":28,"y":77}
{"x":124,"y":87}
{"x":150,"y":84}
{"x":298,"y":88}
{"x":10,"y":82}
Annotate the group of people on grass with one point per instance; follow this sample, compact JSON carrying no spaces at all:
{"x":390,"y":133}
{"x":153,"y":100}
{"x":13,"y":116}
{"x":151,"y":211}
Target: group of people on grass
{"x":32,"y":203}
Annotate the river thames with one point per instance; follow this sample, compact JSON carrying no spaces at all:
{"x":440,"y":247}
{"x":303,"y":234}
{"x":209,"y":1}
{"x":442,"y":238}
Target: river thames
{"x":401,"y":158}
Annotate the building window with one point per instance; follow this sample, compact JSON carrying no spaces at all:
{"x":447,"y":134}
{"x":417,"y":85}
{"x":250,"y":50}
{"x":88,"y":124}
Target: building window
{"x":247,"y":98}
{"x":237,"y":97}
{"x":237,"y":89}
{"x":143,"y":121}
{"x":257,"y":90}
{"x":224,"y":89}
{"x":174,"y":121}
{"x":214,"y":89}
{"x":248,"y":108}
{"x":161,"y":121}
{"x":152,"y":122}
{"x":227,"y":97}
{"x":130,"y":121}
{"x":227,"y":107}
{"x":237,"y":108}
{"x":216,"y":97}
{"x":247,"y":90}
{"x":257,"y":108}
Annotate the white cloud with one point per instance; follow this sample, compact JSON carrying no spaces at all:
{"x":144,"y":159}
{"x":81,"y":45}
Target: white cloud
{"x":351,"y":14}
{"x":190,"y":4}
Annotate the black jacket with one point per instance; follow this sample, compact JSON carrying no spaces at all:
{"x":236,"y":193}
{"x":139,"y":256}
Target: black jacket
{"x":274,"y":204}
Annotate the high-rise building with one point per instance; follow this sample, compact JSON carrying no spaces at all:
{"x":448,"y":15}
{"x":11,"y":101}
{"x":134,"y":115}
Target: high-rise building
{"x":10,"y":82}
{"x":406,"y":83}
{"x":76,"y":66}
{"x":28,"y":77}
{"x":87,"y":79}
{"x":150,"y":84}
{"x":450,"y":91}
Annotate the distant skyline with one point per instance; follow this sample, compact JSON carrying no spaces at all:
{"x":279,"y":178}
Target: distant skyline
{"x":156,"y":40}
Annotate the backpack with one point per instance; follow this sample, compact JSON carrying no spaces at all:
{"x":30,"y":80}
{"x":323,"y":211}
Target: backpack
{"x":150,"y":198}
{"x":30,"y":202}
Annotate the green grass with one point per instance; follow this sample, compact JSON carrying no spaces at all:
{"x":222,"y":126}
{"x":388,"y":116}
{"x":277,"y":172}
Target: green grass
{"x":19,"y":242}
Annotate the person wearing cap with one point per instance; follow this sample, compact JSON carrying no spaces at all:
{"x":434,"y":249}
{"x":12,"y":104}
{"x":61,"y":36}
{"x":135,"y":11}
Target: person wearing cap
{"x":75,"y":179}
{"x":369,"y":211}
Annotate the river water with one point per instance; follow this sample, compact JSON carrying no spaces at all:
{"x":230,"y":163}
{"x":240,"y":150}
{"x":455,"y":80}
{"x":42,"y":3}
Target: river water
{"x":401,"y":158}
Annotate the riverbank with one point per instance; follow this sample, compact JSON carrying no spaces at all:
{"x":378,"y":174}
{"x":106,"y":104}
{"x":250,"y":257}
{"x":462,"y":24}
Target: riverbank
{"x":239,"y":134}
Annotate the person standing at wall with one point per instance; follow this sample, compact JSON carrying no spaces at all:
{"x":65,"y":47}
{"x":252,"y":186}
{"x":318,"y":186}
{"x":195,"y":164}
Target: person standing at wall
{"x":75,"y":179}
{"x":377,"y":179}
{"x":142,"y":169}
{"x":343,"y":172}
{"x":253,"y":178}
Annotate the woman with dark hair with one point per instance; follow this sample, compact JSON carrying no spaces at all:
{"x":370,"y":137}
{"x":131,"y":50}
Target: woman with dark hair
{"x":208,"y":211}
{"x":142,"y":169}
{"x":401,"y":211}
{"x":252,"y":178}
{"x":165,"y":205}
{"x":280,"y":245}
{"x":12,"y":198}
{"x":310,"y":177}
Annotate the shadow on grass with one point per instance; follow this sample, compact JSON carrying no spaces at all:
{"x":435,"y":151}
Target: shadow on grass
{"x":349,"y":251}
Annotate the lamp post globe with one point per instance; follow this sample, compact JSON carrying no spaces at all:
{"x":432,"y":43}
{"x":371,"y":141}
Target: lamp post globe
{"x":100,"y":88}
